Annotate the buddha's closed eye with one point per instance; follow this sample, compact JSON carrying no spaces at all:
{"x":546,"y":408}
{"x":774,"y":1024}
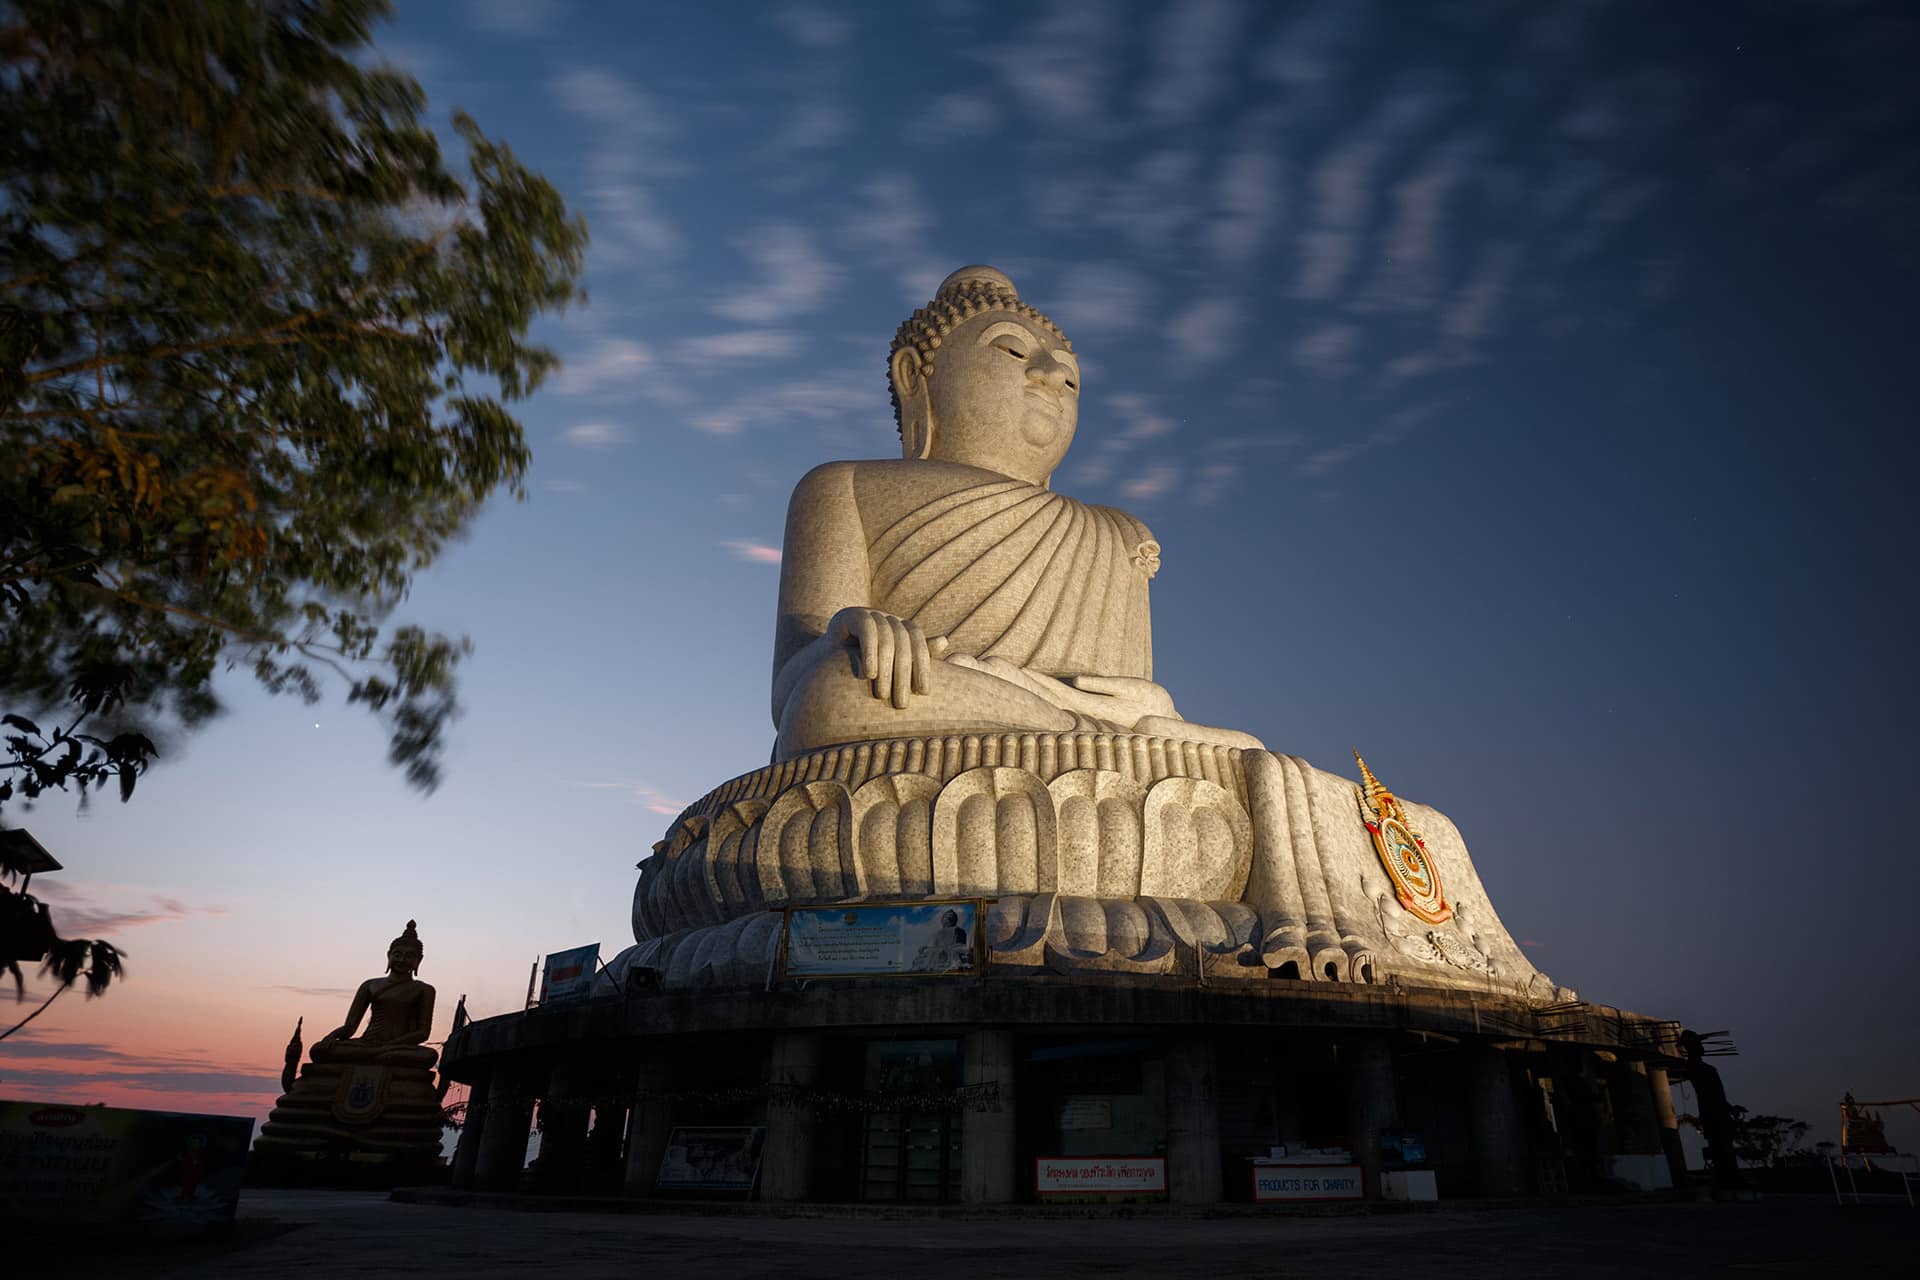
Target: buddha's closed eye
{"x":1011,"y":347}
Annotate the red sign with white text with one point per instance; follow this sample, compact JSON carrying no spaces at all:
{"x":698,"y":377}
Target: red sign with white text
{"x":1100,"y":1175}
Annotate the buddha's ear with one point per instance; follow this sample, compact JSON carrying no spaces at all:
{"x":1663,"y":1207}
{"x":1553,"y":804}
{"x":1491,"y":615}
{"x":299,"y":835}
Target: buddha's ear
{"x":916,"y":411}
{"x":904,"y":368}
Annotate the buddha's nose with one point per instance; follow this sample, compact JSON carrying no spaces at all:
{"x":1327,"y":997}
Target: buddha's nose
{"x":1044,"y":368}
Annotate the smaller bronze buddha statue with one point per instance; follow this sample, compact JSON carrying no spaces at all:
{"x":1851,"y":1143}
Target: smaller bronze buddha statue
{"x":370,"y":1095}
{"x":399,"y":1013}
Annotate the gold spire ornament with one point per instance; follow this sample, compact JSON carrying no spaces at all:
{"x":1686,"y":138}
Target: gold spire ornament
{"x":1416,"y":881}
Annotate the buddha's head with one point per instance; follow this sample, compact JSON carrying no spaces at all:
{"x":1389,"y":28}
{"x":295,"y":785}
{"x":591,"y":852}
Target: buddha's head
{"x":980,"y":377}
{"x":405,"y":953}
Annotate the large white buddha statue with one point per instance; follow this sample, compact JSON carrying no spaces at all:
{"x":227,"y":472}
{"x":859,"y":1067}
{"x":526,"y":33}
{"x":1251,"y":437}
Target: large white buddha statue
{"x":951,"y":590}
{"x":965,"y":707}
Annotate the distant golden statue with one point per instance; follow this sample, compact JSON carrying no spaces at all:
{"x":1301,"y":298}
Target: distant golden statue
{"x":402,"y":1014}
{"x":366,"y":1095}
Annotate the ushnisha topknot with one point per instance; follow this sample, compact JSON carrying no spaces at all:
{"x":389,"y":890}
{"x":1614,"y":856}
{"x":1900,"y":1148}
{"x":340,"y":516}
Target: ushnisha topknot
{"x":407,"y":939}
{"x":961,"y":296}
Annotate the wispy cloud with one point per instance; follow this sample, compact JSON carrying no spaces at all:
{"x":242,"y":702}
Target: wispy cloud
{"x":609,"y":365}
{"x":740,"y":344}
{"x":1250,"y":203}
{"x":793,"y":276}
{"x":341,"y":993}
{"x":650,"y":797}
{"x":629,"y":153}
{"x":1103,"y":298}
{"x":892,"y":218}
{"x":1328,"y":351}
{"x":1208,"y":329}
{"x":1396,"y":427}
{"x":1058,"y":67}
{"x":752,"y":552}
{"x":1470,"y":316}
{"x":812,"y":26}
{"x":1152,"y":483}
{"x":953,"y":116}
{"x":847,"y":395}
{"x":1345,"y":187}
{"x":1137,"y":414}
{"x":1307,"y":54}
{"x":593,"y":435}
{"x":84,"y":910}
{"x":1409,"y":270}
{"x":1192,"y":45}
{"x":814,"y":122}
{"x":161,"y":1080}
{"x":1154,"y":204}
{"x":517,"y":17}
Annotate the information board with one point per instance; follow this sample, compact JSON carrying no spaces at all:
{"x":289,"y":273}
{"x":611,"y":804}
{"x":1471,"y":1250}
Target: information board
{"x":1275,"y":1182}
{"x":164,"y":1170}
{"x":882,"y":939}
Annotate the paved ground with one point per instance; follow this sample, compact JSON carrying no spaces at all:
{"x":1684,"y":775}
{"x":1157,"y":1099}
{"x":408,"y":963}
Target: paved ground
{"x":328,"y":1234}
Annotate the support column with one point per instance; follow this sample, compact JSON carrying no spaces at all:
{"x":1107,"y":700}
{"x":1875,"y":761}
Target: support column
{"x":1372,"y":1103}
{"x":1662,"y":1091}
{"x":472,"y":1126}
{"x":648,"y":1125}
{"x":786,"y":1166}
{"x":1633,"y":1111}
{"x":987,"y":1172}
{"x":563,"y":1125}
{"x":602,"y":1167}
{"x":503,"y":1140}
{"x":1193,"y":1124}
{"x":1499,"y":1129}
{"x":1602,"y":1123}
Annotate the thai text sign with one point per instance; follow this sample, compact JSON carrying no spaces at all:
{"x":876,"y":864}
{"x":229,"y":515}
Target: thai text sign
{"x":162,"y":1170}
{"x":882,"y":939}
{"x":1100,"y":1175}
{"x":1307,"y":1182}
{"x":717,"y":1158}
{"x":569,"y":974}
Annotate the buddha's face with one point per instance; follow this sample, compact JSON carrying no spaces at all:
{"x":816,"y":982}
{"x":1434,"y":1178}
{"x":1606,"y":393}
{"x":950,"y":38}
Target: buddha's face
{"x":1004,"y":395}
{"x":404,"y":961}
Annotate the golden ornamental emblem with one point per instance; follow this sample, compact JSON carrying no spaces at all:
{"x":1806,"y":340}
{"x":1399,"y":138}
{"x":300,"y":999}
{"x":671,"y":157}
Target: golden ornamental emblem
{"x":1416,"y":881}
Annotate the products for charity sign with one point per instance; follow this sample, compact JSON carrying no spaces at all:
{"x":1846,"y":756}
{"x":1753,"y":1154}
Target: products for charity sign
{"x":1275,"y":1182}
{"x":1100,"y":1175}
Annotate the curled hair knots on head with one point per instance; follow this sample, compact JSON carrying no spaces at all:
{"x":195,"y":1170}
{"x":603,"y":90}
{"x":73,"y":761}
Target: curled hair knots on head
{"x":966,"y":293}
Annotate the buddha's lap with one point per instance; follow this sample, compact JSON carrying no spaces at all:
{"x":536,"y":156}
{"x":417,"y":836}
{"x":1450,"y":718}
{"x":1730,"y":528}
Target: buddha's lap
{"x":836,"y":705}
{"x":355,"y":1052}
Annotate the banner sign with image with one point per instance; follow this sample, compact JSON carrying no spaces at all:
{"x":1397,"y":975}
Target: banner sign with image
{"x":882,"y":939}
{"x":712,"y":1158}
{"x":569,"y":974}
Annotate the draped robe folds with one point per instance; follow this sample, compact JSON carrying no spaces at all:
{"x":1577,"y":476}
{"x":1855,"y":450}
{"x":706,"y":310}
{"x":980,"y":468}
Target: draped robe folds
{"x":1009,"y":570}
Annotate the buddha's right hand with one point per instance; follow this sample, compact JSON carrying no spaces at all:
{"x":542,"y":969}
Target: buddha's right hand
{"x":891,"y":652}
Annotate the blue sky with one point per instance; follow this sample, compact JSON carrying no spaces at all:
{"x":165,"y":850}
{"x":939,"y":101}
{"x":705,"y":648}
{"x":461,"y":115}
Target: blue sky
{"x":1522,"y":394}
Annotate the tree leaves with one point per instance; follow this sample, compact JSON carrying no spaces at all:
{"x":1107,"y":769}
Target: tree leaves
{"x":257,"y":348}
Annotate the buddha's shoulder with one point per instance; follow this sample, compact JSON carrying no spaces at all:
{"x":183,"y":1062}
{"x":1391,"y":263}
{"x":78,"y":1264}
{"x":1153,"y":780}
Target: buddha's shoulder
{"x":897,"y":478}
{"x":1128,"y":522}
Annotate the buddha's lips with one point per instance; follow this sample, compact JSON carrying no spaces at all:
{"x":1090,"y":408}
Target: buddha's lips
{"x":1048,"y":398}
